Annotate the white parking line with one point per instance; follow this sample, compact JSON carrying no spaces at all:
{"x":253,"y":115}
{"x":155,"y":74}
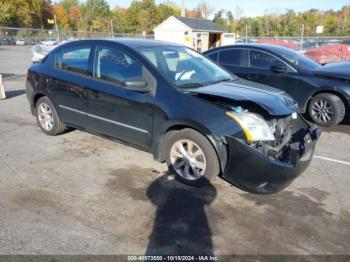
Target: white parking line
{"x":332,"y":160}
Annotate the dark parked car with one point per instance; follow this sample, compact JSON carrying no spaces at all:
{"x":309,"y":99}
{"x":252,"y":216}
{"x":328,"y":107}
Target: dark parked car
{"x":7,"y":40}
{"x":175,"y":103}
{"x":321,"y":92}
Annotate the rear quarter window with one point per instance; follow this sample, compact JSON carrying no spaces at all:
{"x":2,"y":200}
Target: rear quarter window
{"x":74,"y":60}
{"x":233,"y":57}
{"x":213,"y":56}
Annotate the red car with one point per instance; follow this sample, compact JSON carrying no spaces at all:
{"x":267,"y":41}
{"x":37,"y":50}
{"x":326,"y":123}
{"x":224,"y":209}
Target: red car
{"x":330,"y":53}
{"x":286,"y":43}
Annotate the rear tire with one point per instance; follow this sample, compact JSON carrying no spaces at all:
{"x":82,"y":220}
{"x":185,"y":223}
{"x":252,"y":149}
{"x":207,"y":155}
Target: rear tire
{"x":326,"y":109}
{"x":191,"y":157}
{"x":47,"y":117}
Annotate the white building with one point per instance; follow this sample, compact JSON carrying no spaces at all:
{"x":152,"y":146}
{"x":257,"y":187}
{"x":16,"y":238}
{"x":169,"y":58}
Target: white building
{"x":200,"y":34}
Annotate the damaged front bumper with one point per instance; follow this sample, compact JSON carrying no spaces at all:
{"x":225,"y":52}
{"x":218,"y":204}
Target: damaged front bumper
{"x":252,"y":171}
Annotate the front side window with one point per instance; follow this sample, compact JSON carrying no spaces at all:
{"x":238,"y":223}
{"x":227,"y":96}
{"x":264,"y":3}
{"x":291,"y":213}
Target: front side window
{"x":115,"y":66}
{"x":184,"y":67}
{"x":263,"y":60}
{"x":231,"y":57}
{"x":74,"y":60}
{"x":297,"y":59}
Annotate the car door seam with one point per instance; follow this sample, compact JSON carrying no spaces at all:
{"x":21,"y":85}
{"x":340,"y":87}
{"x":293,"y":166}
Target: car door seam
{"x":104,"y":119}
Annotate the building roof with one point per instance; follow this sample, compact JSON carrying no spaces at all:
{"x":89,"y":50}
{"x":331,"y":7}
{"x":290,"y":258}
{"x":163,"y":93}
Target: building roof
{"x":201,"y":24}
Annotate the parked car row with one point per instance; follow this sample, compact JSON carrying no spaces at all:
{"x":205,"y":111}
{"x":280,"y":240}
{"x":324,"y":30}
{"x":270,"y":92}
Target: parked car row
{"x":9,"y":40}
{"x":322,"y":51}
{"x":178,"y":105}
{"x":329,"y":53}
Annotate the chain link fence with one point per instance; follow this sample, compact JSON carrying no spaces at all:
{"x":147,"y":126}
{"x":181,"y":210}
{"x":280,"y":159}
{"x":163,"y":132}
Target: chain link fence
{"x":297,"y":43}
{"x":30,"y":36}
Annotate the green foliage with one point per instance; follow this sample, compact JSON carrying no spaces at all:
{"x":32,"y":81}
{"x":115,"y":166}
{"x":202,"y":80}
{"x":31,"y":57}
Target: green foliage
{"x":144,"y":15}
{"x":168,"y":9}
{"x":96,"y":15}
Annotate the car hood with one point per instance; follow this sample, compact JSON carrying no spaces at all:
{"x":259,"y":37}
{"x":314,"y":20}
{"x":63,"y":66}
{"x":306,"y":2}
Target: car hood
{"x":274,"y":101}
{"x":338,"y":70}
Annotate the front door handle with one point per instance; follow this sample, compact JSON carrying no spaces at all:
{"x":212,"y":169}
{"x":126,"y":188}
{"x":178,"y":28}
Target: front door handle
{"x":252,"y":77}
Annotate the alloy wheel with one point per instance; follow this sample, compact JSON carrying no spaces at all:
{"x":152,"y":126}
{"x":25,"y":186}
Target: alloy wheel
{"x":322,"y":111}
{"x":45,"y":117}
{"x":188,"y":159}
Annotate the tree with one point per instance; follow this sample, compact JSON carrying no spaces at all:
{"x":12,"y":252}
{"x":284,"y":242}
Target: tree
{"x":96,"y":15}
{"x":74,"y":17}
{"x":194,"y":13}
{"x":15,"y":13}
{"x":219,"y":18}
{"x":205,"y":9}
{"x":41,"y":11}
{"x":168,"y":9}
{"x":142,"y":16}
{"x":61,"y":16}
{"x":66,"y":4}
{"x":119,"y":18}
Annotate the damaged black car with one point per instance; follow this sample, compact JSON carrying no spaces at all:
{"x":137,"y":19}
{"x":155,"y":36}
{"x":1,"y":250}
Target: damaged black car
{"x":176,"y":104}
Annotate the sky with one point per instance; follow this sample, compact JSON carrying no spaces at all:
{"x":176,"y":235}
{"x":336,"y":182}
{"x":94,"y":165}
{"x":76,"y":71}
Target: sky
{"x":256,"y":7}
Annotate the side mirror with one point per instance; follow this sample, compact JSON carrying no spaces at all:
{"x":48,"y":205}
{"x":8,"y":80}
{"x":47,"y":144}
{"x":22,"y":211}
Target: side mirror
{"x":278,"y":68}
{"x":136,"y":85}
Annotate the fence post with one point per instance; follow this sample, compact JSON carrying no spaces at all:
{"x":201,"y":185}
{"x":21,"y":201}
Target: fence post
{"x":56,"y":27}
{"x":112,"y":32}
{"x":302,"y":37}
{"x":2,"y":89}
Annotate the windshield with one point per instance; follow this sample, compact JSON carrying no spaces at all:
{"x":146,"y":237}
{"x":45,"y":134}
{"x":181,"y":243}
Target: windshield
{"x":299,"y":60}
{"x":184,"y":67}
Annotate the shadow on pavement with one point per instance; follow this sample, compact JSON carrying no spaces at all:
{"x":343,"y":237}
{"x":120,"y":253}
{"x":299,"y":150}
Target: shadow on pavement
{"x":343,"y":127}
{"x":13,"y":93}
{"x":181,"y":225}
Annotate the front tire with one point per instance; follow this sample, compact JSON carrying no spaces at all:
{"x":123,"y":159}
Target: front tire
{"x":47,"y":117}
{"x":191,"y":157}
{"x":326,"y":109}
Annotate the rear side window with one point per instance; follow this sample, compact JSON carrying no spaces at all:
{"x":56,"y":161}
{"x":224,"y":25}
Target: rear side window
{"x":213,"y":56}
{"x":74,"y":60}
{"x":263,"y":60}
{"x":115,"y":66}
{"x":231,"y":57}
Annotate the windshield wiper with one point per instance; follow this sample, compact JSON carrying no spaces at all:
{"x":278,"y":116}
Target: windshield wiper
{"x":190,"y":85}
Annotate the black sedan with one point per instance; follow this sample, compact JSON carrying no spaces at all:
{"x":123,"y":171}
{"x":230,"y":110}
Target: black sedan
{"x":323,"y":93}
{"x":175,"y":103}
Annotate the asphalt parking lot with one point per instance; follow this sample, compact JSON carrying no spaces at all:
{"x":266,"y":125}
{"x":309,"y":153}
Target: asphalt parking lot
{"x":81,"y":194}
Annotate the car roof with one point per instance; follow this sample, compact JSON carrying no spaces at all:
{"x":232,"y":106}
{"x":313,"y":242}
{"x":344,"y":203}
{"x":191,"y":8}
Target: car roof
{"x":130,"y":42}
{"x":269,"y":47}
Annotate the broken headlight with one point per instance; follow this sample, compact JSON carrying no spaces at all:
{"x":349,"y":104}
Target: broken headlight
{"x":254,"y":127}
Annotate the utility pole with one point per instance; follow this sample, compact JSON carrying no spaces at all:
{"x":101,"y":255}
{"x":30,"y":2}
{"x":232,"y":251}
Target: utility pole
{"x":56,"y":27}
{"x":267,"y":22}
{"x":246,"y":34}
{"x":112,"y":32}
{"x":183,"y":8}
{"x":302,"y":37}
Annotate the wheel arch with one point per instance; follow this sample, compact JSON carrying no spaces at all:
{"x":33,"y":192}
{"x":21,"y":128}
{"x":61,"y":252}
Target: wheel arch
{"x":34,"y":101}
{"x":36,"y":98}
{"x":217,"y":142}
{"x":329,"y":91}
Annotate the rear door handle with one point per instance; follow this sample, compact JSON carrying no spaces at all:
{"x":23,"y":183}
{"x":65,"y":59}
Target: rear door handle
{"x":252,"y":77}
